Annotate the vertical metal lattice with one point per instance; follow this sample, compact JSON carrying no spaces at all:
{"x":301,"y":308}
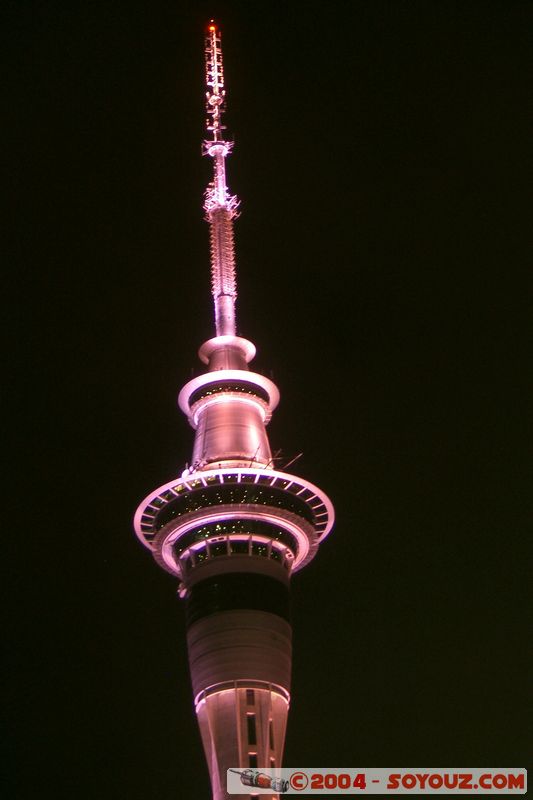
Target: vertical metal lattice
{"x":220,"y":207}
{"x":222,"y":253}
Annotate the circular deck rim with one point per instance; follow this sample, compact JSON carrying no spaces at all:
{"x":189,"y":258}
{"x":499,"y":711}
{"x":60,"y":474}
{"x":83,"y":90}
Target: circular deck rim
{"x":206,"y":378}
{"x":149,"y":509}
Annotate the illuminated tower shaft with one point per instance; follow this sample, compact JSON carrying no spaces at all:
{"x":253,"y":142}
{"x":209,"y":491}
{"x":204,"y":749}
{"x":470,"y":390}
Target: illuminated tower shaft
{"x":232,"y":528}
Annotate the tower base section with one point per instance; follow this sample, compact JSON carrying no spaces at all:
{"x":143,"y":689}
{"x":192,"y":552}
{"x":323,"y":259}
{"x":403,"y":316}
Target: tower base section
{"x":241,"y":727}
{"x":240,"y":660}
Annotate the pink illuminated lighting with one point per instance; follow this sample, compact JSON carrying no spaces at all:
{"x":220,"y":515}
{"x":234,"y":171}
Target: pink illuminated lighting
{"x":231,"y":527}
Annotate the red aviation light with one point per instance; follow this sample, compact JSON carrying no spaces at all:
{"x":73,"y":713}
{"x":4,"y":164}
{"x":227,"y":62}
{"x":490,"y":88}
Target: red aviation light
{"x":212,"y":27}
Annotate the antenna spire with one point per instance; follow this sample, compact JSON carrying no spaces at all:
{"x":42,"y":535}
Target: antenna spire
{"x":220,"y":207}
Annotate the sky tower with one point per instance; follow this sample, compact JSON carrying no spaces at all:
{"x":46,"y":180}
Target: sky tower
{"x":232,"y":528}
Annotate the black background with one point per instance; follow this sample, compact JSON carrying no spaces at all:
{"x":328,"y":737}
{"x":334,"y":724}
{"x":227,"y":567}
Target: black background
{"x":381,"y":156}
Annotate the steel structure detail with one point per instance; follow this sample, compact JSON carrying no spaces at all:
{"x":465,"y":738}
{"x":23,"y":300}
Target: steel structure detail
{"x":220,"y":207}
{"x":232,"y":528}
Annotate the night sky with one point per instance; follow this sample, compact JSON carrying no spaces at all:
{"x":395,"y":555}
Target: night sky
{"x":382,"y":159}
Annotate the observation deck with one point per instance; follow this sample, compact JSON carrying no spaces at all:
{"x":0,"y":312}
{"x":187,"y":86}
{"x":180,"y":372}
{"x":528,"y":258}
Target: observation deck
{"x":233,"y":513}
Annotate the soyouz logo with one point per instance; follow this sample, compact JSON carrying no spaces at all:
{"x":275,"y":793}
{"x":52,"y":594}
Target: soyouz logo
{"x":252,"y":777}
{"x":392,"y":780}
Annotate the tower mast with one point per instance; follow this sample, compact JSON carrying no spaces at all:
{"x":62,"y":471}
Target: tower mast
{"x":220,"y":207}
{"x":231,"y":528}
